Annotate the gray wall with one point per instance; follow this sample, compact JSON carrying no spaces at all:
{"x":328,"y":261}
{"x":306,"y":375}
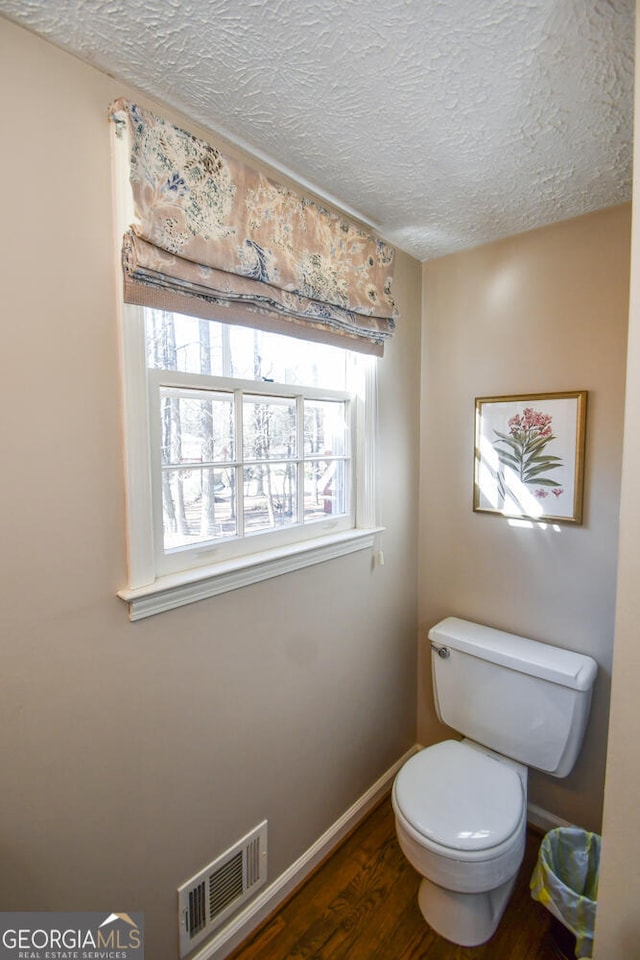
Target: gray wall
{"x":133,"y":754}
{"x":542,"y":312}
{"x":618,"y":920}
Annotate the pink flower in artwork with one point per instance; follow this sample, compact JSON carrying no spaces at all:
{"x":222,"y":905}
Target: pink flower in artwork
{"x":531,"y":420}
{"x":524,"y":448}
{"x":541,"y":493}
{"x":557,"y":491}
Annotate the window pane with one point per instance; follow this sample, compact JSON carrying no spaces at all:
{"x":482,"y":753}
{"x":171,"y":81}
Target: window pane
{"x":325,"y":489}
{"x":257,"y":355}
{"x":270,"y":496}
{"x":198,"y":505}
{"x":269,"y":428}
{"x":186,"y":344}
{"x":190,"y":345}
{"x":197,"y":427}
{"x":325,"y":427}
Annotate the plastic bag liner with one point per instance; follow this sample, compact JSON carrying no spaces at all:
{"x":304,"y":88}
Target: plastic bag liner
{"x":565,"y":880}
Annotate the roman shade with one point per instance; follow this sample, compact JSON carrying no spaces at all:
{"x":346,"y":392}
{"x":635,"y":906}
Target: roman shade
{"x":214,"y":238}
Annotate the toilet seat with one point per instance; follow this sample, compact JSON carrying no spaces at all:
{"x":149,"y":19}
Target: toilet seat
{"x":459,"y":797}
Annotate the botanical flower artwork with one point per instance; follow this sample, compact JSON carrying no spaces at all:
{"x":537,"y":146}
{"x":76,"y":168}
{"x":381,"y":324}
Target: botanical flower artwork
{"x":524,"y":450}
{"x":530,"y":455}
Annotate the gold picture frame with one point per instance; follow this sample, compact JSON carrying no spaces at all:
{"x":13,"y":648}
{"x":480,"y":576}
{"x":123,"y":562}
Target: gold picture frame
{"x":529,"y":456}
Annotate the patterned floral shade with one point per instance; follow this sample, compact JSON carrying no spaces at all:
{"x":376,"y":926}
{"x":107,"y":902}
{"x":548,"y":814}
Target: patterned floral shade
{"x":214,"y":238}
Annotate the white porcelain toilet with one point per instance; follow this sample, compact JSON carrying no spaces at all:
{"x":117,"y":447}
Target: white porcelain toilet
{"x":461,"y":805}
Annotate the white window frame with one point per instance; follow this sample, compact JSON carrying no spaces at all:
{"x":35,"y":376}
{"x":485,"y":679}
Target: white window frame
{"x":151,"y":591}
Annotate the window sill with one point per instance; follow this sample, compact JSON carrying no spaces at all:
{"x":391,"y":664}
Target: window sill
{"x":179,"y":589}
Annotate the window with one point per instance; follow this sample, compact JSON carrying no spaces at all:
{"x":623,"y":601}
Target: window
{"x":249,"y":452}
{"x":247,"y":455}
{"x":250,"y":446}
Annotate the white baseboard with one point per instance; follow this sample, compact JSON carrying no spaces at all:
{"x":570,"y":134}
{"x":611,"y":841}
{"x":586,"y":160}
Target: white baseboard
{"x":543,"y":820}
{"x":247,"y":920}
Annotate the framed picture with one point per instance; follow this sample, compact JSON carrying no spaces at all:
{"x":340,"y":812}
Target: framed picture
{"x":529,"y":455}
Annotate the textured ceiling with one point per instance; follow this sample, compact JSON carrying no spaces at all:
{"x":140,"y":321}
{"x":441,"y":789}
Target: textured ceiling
{"x":442,"y":123}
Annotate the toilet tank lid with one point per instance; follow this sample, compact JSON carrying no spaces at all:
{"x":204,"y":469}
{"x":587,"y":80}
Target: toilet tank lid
{"x":565,"y":667}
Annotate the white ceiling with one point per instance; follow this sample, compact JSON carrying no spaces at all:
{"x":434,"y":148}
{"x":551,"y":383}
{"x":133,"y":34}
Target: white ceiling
{"x":441,"y":123}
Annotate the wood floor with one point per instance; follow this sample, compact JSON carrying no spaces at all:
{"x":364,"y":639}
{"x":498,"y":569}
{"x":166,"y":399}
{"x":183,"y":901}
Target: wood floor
{"x":361,"y":904}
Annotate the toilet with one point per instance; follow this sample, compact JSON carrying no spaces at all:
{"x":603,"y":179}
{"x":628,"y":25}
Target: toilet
{"x":461,"y":805}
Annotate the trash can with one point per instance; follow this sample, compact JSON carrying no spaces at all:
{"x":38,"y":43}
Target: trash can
{"x":565,"y":880}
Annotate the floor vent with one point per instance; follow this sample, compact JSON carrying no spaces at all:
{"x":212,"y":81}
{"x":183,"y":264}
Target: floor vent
{"x":207,"y":899}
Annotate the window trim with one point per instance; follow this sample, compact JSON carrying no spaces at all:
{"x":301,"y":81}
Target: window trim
{"x":178,"y":589}
{"x":149,"y":594}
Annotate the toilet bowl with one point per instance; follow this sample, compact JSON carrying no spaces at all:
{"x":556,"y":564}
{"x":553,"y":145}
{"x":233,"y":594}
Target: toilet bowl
{"x":461,"y":805}
{"x":461,"y":822}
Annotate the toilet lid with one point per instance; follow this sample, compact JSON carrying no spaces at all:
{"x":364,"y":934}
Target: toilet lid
{"x":459,"y":797}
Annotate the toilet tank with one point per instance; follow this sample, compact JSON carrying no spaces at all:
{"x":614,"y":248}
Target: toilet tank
{"x":524,"y":699}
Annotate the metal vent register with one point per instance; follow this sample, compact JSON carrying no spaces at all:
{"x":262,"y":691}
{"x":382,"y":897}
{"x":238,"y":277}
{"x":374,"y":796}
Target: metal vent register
{"x":207,"y":899}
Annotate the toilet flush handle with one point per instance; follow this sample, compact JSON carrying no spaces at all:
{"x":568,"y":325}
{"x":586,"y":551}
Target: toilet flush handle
{"x":443,"y":652}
